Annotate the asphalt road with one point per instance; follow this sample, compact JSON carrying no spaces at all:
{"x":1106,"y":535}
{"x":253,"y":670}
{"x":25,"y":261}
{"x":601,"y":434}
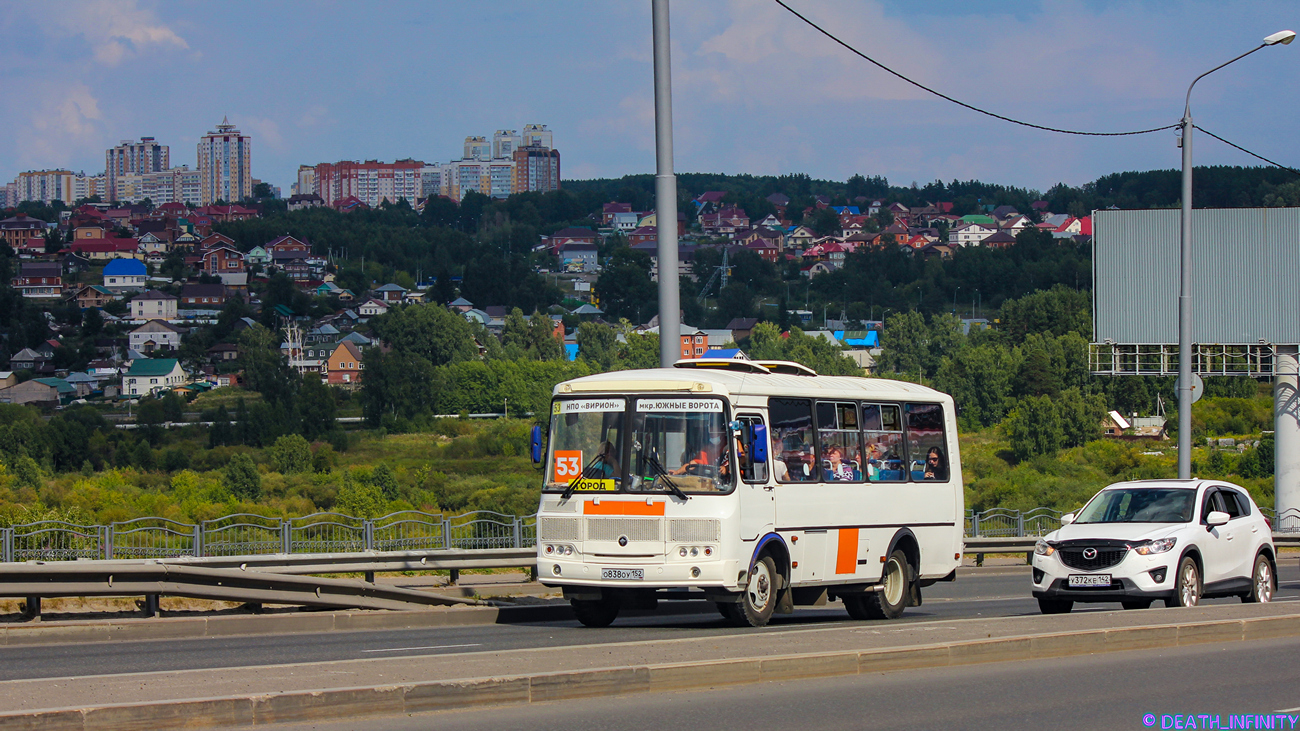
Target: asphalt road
{"x":979,"y":595}
{"x":1113,"y":691}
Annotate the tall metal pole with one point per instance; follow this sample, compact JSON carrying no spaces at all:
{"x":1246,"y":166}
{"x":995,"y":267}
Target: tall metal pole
{"x":665,"y":193}
{"x":1185,"y":273}
{"x":1185,"y":306}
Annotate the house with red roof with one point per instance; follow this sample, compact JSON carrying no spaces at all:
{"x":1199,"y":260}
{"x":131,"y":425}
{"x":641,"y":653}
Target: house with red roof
{"x":105,"y":249}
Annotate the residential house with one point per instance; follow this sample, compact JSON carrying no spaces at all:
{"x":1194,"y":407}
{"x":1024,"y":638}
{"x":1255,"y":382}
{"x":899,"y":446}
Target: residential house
{"x":154,"y":247}
{"x":299,"y":201}
{"x":225,"y":261}
{"x":257,"y":256}
{"x":572,"y":233}
{"x":685,"y":258}
{"x":999,"y":240}
{"x":65,"y":390}
{"x":609,"y":210}
{"x":799,"y":238}
{"x":780,"y":200}
{"x":461,"y":305}
{"x":222,"y":214}
{"x":27,"y":360}
{"x":390,"y":293}
{"x":293,"y":264}
{"x":625,"y":221}
{"x":741,"y":327}
{"x":106,"y":249}
{"x":343,"y":367}
{"x":30,"y":392}
{"x":24,"y":234}
{"x":203,"y":296}
{"x":93,"y":295}
{"x":223,"y":353}
{"x":651,"y":220}
{"x":153,"y":305}
{"x":125,"y":275}
{"x":8,"y":378}
{"x":39,"y":280}
{"x":155,"y":335}
{"x":371,"y":308}
{"x":577,"y":256}
{"x":710,"y":201}
{"x":643,"y":234}
{"x":149,"y":376}
{"x":970,"y":234}
{"x":725,"y":222}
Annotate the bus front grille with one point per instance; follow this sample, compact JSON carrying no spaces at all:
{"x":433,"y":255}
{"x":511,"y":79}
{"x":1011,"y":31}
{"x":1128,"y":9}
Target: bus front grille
{"x":694,"y":530}
{"x":560,"y":529}
{"x":611,"y":529}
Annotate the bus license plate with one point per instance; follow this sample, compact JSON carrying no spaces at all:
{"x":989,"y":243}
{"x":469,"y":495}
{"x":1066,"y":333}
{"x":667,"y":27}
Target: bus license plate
{"x":1078,"y":580}
{"x":623,"y":574}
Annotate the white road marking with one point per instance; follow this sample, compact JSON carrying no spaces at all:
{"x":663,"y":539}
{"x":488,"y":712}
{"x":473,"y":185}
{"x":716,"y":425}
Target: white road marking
{"x":1288,"y":710}
{"x":428,"y":647}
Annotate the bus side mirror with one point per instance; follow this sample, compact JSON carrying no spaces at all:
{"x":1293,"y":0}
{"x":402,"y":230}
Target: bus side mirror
{"x":758,"y":447}
{"x":537,"y":444}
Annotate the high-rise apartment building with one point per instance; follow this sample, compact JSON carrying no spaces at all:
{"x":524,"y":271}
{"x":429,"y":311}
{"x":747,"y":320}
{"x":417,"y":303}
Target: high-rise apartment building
{"x":145,"y":156}
{"x":536,"y":168}
{"x":306,"y":184}
{"x":86,"y":186}
{"x":504,"y":143}
{"x":45,"y":186}
{"x":371,"y":182}
{"x":225,"y":165}
{"x":174,"y":185}
{"x":477,"y":148}
{"x":536,"y":135}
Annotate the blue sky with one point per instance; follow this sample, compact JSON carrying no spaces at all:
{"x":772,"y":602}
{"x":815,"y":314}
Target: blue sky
{"x":755,"y":90}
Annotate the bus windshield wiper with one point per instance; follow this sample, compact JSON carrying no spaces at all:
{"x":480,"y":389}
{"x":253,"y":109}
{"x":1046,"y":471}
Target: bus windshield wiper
{"x":663,"y":475}
{"x":568,"y":490}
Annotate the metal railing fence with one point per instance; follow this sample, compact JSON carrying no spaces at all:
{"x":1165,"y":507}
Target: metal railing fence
{"x":246,"y":534}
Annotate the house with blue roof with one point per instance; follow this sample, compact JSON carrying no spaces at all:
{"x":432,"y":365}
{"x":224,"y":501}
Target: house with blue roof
{"x":125,"y":275}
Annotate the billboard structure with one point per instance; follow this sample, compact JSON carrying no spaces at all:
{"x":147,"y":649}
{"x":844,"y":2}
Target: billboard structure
{"x":1245,"y":308}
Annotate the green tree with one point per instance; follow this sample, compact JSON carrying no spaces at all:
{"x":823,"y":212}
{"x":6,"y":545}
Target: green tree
{"x":398,"y":383}
{"x":432,"y":332}
{"x":625,"y":287}
{"x":384,"y":479}
{"x":542,"y":341}
{"x":242,"y":478}
{"x":359,"y":498}
{"x":598,"y":345}
{"x":1034,"y":427}
{"x":291,"y":455}
{"x":515,"y":334}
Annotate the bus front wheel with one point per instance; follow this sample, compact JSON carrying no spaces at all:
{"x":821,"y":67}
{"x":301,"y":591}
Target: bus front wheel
{"x":595,"y":613}
{"x":759,"y":598}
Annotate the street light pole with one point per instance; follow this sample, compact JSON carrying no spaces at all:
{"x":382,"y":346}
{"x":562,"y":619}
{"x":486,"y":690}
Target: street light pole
{"x":665,"y":193}
{"x":1185,"y":268}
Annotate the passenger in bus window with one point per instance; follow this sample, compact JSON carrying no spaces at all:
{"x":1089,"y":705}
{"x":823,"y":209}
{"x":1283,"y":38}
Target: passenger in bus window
{"x":608,"y":463}
{"x":836,"y":469}
{"x":936,"y":467}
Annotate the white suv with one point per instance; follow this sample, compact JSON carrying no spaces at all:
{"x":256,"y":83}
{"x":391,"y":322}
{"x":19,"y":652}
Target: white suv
{"x":1176,"y":540}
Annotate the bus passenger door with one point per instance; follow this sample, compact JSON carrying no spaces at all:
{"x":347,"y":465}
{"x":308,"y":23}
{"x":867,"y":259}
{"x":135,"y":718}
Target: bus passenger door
{"x":757,"y":498}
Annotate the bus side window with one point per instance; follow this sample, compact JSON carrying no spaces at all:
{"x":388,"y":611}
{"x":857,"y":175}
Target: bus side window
{"x":882,"y":427}
{"x":840,"y":441}
{"x":750,"y":471}
{"x":926,"y":448}
{"x":793,"y":456}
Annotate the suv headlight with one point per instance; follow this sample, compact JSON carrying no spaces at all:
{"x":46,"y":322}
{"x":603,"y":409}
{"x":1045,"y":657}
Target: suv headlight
{"x":1043,"y":548}
{"x":1159,"y":545}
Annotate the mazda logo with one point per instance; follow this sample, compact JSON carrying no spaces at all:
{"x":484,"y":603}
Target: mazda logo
{"x":1090,"y":553}
{"x":622,"y":541}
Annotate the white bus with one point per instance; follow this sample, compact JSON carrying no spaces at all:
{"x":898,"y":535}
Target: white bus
{"x":758,"y":485}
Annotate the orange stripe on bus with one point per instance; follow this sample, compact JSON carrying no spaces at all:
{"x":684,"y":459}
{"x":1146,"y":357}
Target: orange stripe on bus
{"x":846,"y":557}
{"x":623,"y":507}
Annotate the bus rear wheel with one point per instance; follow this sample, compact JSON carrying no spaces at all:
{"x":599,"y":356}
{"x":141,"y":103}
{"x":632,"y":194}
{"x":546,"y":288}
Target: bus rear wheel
{"x":759,"y":598}
{"x":595,"y":613}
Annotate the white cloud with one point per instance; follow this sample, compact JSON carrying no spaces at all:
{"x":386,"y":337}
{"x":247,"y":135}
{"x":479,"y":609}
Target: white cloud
{"x":115,"y":30}
{"x":64,"y":127}
{"x":265,"y":132}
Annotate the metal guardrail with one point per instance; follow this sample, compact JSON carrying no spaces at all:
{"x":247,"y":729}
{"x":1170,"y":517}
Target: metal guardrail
{"x":154,"y":578}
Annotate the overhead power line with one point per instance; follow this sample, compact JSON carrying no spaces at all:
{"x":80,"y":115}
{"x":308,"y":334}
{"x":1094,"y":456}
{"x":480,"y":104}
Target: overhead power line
{"x":1248,"y":152}
{"x":958,"y":102}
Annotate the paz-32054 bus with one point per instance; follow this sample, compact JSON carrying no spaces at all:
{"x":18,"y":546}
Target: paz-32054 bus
{"x":757,"y":485}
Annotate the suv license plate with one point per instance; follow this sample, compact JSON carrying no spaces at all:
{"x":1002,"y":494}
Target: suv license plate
{"x":623,"y":574}
{"x":1081,"y":580}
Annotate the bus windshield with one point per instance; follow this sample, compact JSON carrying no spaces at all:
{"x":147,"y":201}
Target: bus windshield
{"x":680,"y":443}
{"x":586,"y":440}
{"x":669,"y":445}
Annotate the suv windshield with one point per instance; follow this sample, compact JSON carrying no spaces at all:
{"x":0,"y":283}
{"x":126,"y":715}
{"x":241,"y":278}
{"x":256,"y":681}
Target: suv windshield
{"x":1140,"y":505}
{"x":674,"y":445}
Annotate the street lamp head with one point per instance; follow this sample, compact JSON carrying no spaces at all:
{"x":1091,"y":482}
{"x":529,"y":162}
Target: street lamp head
{"x":1283,"y":36}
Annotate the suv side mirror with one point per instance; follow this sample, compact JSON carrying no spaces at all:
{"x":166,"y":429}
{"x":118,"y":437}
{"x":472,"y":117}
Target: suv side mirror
{"x":1217,"y":517}
{"x":1067,"y":519}
{"x":537,"y":444}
